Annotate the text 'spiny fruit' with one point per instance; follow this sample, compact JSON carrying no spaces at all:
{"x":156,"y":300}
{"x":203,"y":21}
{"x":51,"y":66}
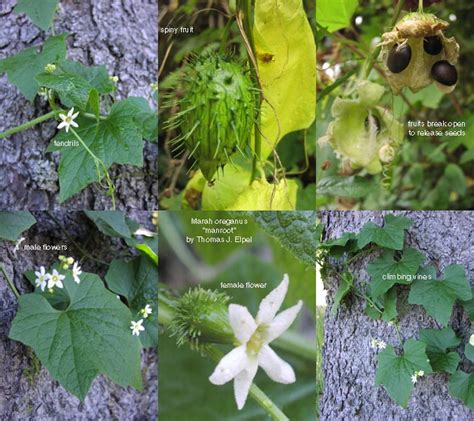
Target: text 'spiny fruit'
{"x":217,"y":112}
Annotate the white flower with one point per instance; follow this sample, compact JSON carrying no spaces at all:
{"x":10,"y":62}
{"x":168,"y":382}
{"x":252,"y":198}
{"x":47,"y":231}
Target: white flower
{"x":420,"y":373}
{"x":413,"y":378}
{"x":471,"y":340}
{"x":374,"y":343}
{"x":377,"y":344}
{"x":55,"y":279}
{"x":41,"y":278}
{"x":382,"y":345}
{"x":254,"y":335}
{"x":68,"y":120}
{"x":114,"y":79}
{"x":146,"y":311}
{"x":137,"y":327}
{"x":76,"y":271}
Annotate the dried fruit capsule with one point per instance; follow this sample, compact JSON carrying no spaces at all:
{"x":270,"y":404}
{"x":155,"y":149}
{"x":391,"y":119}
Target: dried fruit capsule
{"x":399,"y":58}
{"x":444,"y":73}
{"x":432,"y":45}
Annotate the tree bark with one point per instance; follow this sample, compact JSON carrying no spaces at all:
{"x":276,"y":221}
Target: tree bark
{"x":121,"y":34}
{"x":349,"y":364}
{"x":26,"y":395}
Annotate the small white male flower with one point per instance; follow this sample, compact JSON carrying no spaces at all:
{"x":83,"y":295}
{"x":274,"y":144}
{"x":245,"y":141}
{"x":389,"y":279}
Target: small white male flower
{"x":146,"y":311}
{"x":68,"y":120}
{"x":382,"y":345}
{"x":471,"y":340}
{"x":137,"y":327}
{"x":76,"y":271}
{"x":374,"y":343}
{"x":377,"y":344}
{"x":254,"y":335}
{"x":420,"y":373}
{"x":41,"y":278}
{"x":55,"y":279}
{"x":414,"y":378}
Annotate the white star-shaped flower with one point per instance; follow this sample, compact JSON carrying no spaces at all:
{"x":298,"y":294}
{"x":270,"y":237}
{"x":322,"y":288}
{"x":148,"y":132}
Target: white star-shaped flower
{"x":76,"y":271}
{"x":41,"y":278}
{"x":382,"y":345}
{"x":137,"y":327}
{"x":146,"y":311}
{"x":254,"y":335}
{"x":471,"y":340}
{"x":55,"y":279}
{"x":414,"y":378}
{"x":68,"y":120}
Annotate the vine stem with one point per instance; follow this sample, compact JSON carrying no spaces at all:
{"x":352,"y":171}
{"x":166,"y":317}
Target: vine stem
{"x":28,"y":124}
{"x":10,"y":282}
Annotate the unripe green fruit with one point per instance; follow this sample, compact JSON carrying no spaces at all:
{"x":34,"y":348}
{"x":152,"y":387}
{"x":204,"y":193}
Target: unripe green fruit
{"x":217,"y":112}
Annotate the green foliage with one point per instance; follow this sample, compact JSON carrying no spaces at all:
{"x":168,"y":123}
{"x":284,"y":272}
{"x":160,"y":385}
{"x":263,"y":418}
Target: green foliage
{"x":347,"y":281}
{"x":394,"y":371}
{"x":113,"y":223}
{"x":335,"y":14}
{"x":40,"y":12}
{"x":12,"y":224}
{"x":438,"y":296}
{"x":23,"y":67}
{"x":461,"y":385}
{"x":437,"y":342}
{"x":345,"y":186}
{"x":91,"y":336}
{"x":390,"y":236}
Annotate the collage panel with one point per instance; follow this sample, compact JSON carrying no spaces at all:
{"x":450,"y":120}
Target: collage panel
{"x":78,"y":315}
{"x":395,"y":300}
{"x":236,"y":315}
{"x":78,"y":100}
{"x":394,"y":114}
{"x":237,"y":107}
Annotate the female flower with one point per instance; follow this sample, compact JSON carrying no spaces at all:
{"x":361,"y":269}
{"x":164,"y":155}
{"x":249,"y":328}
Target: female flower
{"x":68,"y":120}
{"x":254,"y":335}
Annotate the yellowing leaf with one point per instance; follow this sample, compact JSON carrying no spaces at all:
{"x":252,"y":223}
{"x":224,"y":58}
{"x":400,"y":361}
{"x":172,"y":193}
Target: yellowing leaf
{"x":286,"y":59}
{"x":335,"y":14}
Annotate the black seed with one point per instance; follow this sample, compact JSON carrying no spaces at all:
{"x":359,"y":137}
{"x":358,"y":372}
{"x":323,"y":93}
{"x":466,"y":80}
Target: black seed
{"x":375,"y":120}
{"x":432,"y":45}
{"x":399,"y":58}
{"x":444,"y":73}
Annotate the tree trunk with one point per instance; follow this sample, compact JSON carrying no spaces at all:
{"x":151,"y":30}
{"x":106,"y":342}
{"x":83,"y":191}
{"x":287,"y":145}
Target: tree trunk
{"x":29,"y":394}
{"x":122,"y":34}
{"x":349,"y":364}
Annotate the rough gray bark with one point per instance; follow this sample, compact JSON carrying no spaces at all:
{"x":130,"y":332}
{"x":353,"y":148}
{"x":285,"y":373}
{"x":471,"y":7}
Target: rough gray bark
{"x":349,"y":364}
{"x":122,"y":34}
{"x":23,"y":397}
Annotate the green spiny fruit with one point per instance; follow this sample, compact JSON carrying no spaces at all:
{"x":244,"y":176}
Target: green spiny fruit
{"x":217,"y":111}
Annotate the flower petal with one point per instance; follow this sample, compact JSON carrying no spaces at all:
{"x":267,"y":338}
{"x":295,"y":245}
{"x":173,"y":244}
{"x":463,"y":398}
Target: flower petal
{"x":63,"y":117}
{"x":229,"y":366}
{"x":75,"y":116}
{"x":282,"y":322}
{"x":276,"y":368}
{"x":272,"y":302}
{"x":61,"y":125}
{"x":74,"y":124}
{"x":71,"y":112}
{"x":242,"y":322}
{"x":243,"y":381}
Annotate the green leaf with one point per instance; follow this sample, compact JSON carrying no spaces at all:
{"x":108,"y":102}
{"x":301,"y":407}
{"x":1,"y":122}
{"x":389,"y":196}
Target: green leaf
{"x":347,"y":282}
{"x":113,"y":140}
{"x":354,"y":186}
{"x":91,"y":336}
{"x":335,"y":14}
{"x":113,"y":223}
{"x":390,"y":236}
{"x":437,"y":343}
{"x":346,"y":242}
{"x":23,"y":67}
{"x":394,"y":372}
{"x":469,"y":352}
{"x":286,"y":67}
{"x":461,"y":386}
{"x":138,"y":110}
{"x":438,"y":296}
{"x":96,"y":76}
{"x":40,"y":12}
{"x":137,"y":281}
{"x":12,"y":224}
{"x":389,"y":303}
{"x":388,"y":270}
{"x":469,"y":306}
{"x":296,"y":231}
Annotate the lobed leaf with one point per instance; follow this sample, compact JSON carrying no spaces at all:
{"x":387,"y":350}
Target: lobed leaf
{"x":12,"y":224}
{"x":461,"y":386}
{"x":40,"y":12}
{"x":437,"y":343}
{"x":391,"y":235}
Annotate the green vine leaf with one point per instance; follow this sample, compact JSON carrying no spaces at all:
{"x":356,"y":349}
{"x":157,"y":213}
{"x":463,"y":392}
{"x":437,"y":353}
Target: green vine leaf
{"x":96,"y":76}
{"x":137,"y":281}
{"x":397,"y":270}
{"x":91,"y":336}
{"x":114,"y":140}
{"x":12,"y":224}
{"x":40,"y":12}
{"x":469,"y":306}
{"x":437,"y":343}
{"x":113,"y":223}
{"x":394,"y":372}
{"x":469,"y":352}
{"x":438,"y":296}
{"x":461,"y":386}
{"x":335,"y":14}
{"x":391,"y":235}
{"x":347,"y":242}
{"x":347,"y":282}
{"x":23,"y":67}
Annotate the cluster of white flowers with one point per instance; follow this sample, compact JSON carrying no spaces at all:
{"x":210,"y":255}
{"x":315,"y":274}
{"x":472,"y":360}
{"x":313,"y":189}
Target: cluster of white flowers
{"x":55,"y":279}
{"x":417,"y":374}
{"x":138,"y":327}
{"x":377,"y":344}
{"x":254,"y":335}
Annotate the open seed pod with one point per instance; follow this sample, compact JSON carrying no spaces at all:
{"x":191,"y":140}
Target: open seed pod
{"x":416,"y":53}
{"x":362,"y":133}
